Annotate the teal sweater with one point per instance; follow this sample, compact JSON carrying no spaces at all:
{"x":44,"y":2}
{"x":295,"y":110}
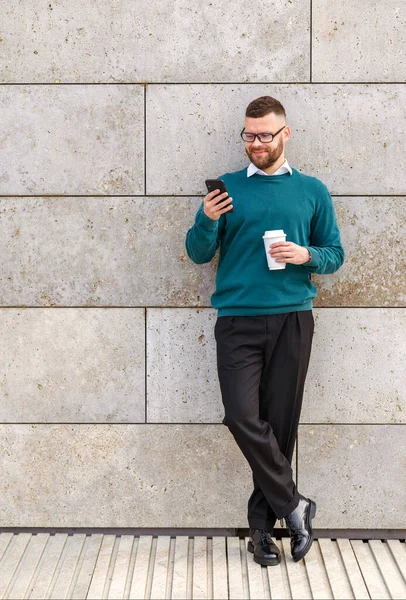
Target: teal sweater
{"x":300,"y":205}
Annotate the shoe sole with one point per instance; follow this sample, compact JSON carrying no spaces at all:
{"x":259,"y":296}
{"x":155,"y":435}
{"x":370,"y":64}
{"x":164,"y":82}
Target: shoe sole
{"x":268,"y":562}
{"x":306,"y":549}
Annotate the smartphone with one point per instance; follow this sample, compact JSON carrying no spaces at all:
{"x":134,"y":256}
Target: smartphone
{"x":218,"y":184}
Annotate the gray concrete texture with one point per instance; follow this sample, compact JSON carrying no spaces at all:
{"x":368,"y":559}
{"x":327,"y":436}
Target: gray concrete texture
{"x":350,"y":136}
{"x":72,"y":139}
{"x":356,"y":374}
{"x":175,"y":476}
{"x":359,"y":40}
{"x":136,"y":476}
{"x":182,"y":41}
{"x":131,"y":252}
{"x":89,"y":365}
{"x":72,"y":365}
{"x":71,"y":42}
{"x":90,"y":139}
{"x":364,"y":466}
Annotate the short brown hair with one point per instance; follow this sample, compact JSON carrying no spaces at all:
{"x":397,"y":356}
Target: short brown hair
{"x":263,"y":106}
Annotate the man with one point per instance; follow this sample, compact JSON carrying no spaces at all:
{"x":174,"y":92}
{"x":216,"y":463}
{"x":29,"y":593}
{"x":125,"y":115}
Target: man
{"x":265,"y":324}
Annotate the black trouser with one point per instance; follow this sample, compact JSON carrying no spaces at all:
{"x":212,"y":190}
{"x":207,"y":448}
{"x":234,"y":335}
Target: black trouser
{"x":262,"y":363}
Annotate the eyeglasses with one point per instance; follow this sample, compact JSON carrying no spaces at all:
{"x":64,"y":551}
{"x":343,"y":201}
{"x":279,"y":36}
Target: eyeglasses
{"x":262,"y":137}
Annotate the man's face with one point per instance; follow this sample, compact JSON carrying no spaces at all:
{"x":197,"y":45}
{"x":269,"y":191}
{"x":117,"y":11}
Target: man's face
{"x":265,"y":155}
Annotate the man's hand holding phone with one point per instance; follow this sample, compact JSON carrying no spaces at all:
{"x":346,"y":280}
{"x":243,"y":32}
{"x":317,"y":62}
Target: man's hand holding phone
{"x":215,"y":203}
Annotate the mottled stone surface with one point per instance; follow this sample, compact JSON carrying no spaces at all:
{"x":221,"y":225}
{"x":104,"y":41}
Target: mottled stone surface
{"x":349,"y":136}
{"x":358,"y":41}
{"x":373,"y":233}
{"x":182,"y":379}
{"x":355,"y":474}
{"x":93,"y":251}
{"x":130,"y":41}
{"x":356,"y":372}
{"x":125,"y":251}
{"x":115,"y":476}
{"x":72,"y":365}
{"x":72,"y":139}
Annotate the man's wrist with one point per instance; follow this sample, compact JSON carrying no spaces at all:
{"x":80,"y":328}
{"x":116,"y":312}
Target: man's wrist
{"x":310,"y":256}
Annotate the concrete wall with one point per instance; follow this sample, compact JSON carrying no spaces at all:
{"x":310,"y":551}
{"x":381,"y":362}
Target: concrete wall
{"x":112,"y":117}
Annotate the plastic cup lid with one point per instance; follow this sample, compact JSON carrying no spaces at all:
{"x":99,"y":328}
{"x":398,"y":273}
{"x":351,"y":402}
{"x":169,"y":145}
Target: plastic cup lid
{"x":274,"y":233}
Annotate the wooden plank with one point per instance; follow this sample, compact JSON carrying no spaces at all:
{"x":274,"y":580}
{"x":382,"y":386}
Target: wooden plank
{"x":142,"y":563}
{"x":99,"y":579}
{"x":11,"y":559}
{"x":210,"y":569}
{"x":316,"y":573}
{"x":121,"y":566}
{"x":255,"y":578}
{"x":48,"y":565}
{"x":337,"y":576}
{"x":284,"y":569}
{"x":389,"y":571}
{"x":398,"y":551}
{"x":298,"y":582}
{"x":5,"y":539}
{"x":220,"y":586}
{"x":29,"y":565}
{"x":234,"y":568}
{"x":352,"y":570}
{"x":369,"y":569}
{"x":278,"y":577}
{"x":200,"y":574}
{"x":67,"y":566}
{"x":180,"y":572}
{"x":92,"y":548}
{"x":161,"y":564}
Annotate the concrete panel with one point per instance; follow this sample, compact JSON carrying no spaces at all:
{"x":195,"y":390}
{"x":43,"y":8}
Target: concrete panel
{"x":373,"y":274}
{"x":136,"y":476}
{"x":182,"y":379}
{"x":355,"y":474}
{"x":92,"y":251}
{"x":356,"y":371}
{"x":181,"y":41}
{"x":349,"y":136}
{"x":72,"y":365}
{"x":72,"y":139}
{"x":131,"y":252}
{"x":358,"y":41}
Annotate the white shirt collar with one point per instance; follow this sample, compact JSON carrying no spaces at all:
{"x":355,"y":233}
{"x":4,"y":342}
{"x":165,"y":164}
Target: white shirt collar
{"x":285,"y":168}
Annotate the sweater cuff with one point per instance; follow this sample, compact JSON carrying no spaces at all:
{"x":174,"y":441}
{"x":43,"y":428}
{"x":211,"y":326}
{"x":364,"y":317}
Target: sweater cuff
{"x":315,"y":257}
{"x":206,"y":223}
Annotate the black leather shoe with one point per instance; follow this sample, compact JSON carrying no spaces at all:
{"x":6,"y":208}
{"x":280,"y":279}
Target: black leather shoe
{"x":266,"y":552}
{"x":299,"y":525}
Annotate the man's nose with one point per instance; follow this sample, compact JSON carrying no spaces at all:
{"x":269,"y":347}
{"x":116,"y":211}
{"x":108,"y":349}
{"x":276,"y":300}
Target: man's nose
{"x":256,"y":142}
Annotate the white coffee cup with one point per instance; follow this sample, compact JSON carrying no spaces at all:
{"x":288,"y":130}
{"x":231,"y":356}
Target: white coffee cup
{"x":270,"y":237}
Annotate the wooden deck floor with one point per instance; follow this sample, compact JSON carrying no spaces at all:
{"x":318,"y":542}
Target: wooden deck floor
{"x":94,"y":566}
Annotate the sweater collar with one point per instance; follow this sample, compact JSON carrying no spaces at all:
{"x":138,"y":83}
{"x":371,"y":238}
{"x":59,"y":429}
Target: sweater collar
{"x":285,"y":168}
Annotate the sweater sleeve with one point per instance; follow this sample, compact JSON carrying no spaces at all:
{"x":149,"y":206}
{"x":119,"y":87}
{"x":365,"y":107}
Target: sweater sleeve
{"x":203,"y":238}
{"x":326,"y":249}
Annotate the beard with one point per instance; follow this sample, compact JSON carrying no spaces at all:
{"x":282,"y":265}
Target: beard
{"x":268,"y":159}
